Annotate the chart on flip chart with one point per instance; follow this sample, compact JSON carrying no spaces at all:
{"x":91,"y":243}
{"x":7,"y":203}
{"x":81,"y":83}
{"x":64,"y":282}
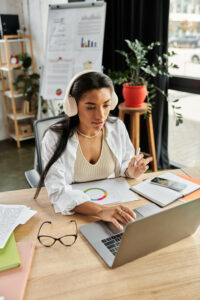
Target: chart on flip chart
{"x":74,"y":42}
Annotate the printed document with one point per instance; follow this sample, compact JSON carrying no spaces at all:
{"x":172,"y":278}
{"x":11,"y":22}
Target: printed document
{"x":10,"y":217}
{"x":107,"y":191}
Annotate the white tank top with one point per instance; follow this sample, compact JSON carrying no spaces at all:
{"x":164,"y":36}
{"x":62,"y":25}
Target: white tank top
{"x":105,"y":166}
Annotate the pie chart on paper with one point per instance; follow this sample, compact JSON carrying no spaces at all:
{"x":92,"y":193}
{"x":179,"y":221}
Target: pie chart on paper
{"x":106,"y":191}
{"x":96,"y":194}
{"x":58,"y":92}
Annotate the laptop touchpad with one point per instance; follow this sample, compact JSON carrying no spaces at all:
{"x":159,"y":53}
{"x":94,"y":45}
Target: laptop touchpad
{"x":147,"y":210}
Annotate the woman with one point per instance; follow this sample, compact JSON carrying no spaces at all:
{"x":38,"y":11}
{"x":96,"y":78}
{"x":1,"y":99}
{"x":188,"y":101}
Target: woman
{"x":88,"y":145}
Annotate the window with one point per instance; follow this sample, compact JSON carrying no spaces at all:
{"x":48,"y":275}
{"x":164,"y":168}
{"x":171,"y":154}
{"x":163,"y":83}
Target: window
{"x":184,"y":141}
{"x":184,"y":40}
{"x":184,"y":36}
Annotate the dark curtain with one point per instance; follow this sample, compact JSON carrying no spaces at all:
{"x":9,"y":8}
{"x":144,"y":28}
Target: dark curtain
{"x":146,"y":21}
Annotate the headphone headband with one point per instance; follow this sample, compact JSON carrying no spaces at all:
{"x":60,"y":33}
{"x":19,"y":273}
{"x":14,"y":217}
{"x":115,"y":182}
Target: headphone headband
{"x":69,"y":102}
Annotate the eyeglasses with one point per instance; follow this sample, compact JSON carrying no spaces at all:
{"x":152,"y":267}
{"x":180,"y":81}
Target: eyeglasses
{"x":65,"y":240}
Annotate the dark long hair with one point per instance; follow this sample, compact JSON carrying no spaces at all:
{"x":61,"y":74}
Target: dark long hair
{"x":67,"y":126}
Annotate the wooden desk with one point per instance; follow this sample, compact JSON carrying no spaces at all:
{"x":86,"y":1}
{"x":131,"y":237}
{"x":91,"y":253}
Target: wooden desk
{"x":77,"y":272}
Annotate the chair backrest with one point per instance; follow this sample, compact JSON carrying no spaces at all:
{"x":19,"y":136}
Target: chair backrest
{"x":39,"y":127}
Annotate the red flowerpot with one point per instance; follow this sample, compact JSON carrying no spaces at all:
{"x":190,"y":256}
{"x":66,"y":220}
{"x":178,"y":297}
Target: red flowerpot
{"x":134,"y":96}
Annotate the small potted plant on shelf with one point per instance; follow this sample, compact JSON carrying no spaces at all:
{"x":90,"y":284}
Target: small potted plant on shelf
{"x":136,"y":80}
{"x":28,"y":84}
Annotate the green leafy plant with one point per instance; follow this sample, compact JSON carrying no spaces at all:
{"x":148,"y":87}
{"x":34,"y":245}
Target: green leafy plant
{"x":140,"y":72}
{"x":27,"y":82}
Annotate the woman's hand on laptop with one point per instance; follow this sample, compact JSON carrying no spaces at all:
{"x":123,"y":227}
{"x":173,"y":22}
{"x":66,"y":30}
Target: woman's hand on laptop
{"x":116,"y":214}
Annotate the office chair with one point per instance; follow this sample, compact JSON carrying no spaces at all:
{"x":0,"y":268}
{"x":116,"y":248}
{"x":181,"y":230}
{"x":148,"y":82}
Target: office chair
{"x":33,"y":176}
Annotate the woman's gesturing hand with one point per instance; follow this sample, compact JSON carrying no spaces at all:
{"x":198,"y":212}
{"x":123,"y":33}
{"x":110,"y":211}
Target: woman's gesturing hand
{"x":137,"y":166}
{"x":116,"y":214}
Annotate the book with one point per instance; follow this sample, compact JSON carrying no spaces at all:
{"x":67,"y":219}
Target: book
{"x":162,"y":195}
{"x":9,"y":255}
{"x":13,"y":282}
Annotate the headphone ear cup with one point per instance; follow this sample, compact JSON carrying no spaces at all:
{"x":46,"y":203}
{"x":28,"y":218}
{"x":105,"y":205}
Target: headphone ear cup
{"x":114,"y":100}
{"x":70,"y":106}
{"x":69,"y":102}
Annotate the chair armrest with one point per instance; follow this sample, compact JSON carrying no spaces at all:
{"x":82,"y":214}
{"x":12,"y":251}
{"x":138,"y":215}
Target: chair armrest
{"x":32,"y":177}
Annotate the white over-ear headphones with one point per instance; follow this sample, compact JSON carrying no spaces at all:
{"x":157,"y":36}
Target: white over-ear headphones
{"x":69,"y":102}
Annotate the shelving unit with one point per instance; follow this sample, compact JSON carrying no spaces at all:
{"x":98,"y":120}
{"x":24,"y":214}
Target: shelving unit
{"x":15,"y":116}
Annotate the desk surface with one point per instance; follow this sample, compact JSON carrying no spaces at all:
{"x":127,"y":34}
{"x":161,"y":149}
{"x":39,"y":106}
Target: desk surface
{"x":77,"y":272}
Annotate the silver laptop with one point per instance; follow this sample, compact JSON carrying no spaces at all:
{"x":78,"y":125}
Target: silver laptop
{"x":153,"y":229}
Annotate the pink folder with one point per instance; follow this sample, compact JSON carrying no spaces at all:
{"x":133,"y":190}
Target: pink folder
{"x":13,"y":282}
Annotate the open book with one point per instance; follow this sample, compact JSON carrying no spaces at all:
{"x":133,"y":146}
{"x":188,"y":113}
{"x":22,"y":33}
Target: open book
{"x":163,"y":195}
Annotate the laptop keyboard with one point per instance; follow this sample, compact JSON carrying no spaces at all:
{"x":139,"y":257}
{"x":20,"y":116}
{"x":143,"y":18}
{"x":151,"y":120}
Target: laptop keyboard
{"x":112,"y":243}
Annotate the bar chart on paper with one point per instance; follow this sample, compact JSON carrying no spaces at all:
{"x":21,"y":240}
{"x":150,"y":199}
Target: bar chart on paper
{"x":88,"y":43}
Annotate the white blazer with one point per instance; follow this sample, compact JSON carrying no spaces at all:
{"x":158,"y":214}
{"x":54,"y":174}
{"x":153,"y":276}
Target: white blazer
{"x":61,"y":174}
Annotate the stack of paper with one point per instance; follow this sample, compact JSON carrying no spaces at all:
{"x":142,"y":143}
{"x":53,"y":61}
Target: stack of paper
{"x":10,"y":217}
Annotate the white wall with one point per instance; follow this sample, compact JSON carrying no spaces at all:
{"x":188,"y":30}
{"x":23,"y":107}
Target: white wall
{"x":35,"y":19}
{"x":8,"y":7}
{"x":33,"y":14}
{"x":32,"y":20}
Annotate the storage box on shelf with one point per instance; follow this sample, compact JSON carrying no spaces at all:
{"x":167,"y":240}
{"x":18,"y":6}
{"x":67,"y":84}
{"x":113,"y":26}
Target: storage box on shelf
{"x":18,"y":110}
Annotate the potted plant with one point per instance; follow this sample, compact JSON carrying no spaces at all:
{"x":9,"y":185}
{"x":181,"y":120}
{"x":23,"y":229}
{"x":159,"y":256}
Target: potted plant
{"x":136,"y":80}
{"x":27,"y":83}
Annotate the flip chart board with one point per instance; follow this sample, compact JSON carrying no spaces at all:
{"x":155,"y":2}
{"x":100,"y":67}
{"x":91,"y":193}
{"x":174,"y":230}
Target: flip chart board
{"x":74,"y":42}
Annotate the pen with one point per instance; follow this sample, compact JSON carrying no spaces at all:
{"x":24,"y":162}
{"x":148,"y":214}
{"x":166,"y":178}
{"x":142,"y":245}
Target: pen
{"x":137,"y":154}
